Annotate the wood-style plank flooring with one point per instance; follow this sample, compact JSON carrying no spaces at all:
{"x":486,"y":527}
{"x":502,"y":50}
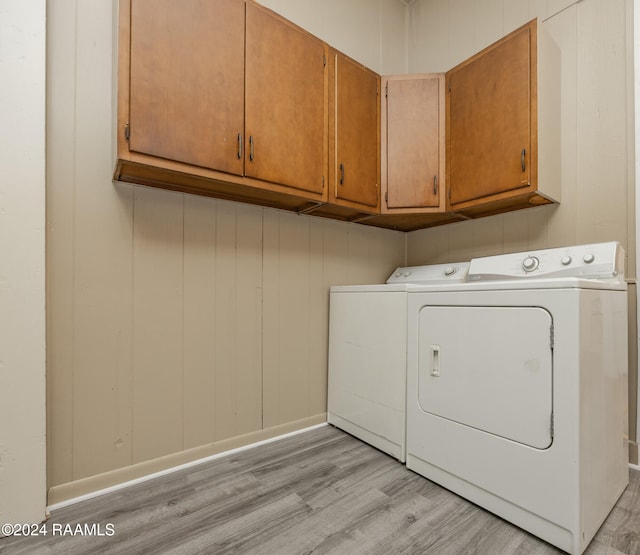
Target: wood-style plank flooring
{"x":321,"y":491}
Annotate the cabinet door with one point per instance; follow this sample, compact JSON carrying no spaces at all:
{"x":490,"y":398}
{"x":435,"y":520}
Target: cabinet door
{"x":489,"y":121}
{"x":356,"y":132}
{"x":187,"y":81}
{"x":414,"y":141}
{"x":286,"y":84}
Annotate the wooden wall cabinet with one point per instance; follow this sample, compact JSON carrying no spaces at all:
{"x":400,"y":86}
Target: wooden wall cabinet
{"x":194,"y":116}
{"x":186,"y":105}
{"x":413,"y":150}
{"x":413,"y":183}
{"x":286,"y":103}
{"x":354,"y":135}
{"x":228,"y":99}
{"x":502,"y":118}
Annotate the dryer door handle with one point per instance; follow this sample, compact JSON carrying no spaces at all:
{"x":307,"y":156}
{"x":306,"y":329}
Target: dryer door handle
{"x":434,"y":360}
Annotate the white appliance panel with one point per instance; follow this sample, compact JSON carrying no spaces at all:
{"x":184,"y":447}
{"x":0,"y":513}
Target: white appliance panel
{"x":455,"y":272}
{"x":489,"y":368}
{"x":367,"y":367}
{"x":603,"y":261}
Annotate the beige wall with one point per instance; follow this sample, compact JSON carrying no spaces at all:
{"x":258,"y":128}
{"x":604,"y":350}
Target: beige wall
{"x":597,"y":137}
{"x":22,"y":262}
{"x":180,"y":325}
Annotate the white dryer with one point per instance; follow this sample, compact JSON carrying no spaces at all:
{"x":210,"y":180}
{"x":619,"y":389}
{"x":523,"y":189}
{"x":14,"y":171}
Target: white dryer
{"x":368,"y":355}
{"x":517,"y":388}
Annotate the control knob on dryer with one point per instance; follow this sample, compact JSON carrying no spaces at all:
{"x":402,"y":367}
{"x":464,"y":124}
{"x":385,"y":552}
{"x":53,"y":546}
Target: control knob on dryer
{"x":530,"y":263}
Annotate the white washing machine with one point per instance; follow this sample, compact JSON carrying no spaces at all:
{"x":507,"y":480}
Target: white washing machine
{"x":517,"y":388}
{"x":368,"y":355}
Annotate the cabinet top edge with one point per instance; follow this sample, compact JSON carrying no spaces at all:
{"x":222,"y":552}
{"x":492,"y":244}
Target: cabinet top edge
{"x":284,"y":21}
{"x":530,"y":27}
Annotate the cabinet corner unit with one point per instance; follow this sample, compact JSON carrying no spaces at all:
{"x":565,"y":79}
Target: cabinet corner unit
{"x":413,"y":146}
{"x":217,"y":97}
{"x":503,"y":126}
{"x":412,"y":121}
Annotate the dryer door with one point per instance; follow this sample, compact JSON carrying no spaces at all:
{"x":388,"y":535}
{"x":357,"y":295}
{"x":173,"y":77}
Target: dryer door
{"x":489,"y":368}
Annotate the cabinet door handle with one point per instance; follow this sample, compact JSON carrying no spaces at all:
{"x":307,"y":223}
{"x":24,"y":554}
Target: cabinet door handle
{"x":435,"y":185}
{"x":251,"y":148}
{"x":239,"y":146}
{"x":341,"y":174}
{"x":522,"y":159}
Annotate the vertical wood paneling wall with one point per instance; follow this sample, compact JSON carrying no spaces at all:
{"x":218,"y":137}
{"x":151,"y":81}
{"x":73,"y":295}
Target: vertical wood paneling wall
{"x":597,"y":130}
{"x":176,"y":321}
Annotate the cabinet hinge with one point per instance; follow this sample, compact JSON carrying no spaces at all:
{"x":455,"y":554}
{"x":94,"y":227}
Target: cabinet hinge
{"x":323,"y":181}
{"x":386,"y":90}
{"x":386,"y":197}
{"x":127,"y":133}
{"x":324,"y":60}
{"x":551,"y":337}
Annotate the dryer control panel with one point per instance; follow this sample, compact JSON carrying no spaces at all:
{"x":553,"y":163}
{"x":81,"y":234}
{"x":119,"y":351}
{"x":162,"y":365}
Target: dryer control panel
{"x":595,"y":261}
{"x":436,"y":273}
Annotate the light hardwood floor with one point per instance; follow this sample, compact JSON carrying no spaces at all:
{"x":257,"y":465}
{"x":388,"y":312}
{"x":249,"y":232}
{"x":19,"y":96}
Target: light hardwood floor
{"x":321,"y":491}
